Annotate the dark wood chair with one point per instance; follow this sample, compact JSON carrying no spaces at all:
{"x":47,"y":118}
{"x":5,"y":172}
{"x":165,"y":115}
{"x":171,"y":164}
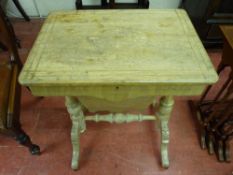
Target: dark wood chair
{"x":10,"y":90}
{"x":144,"y":4}
{"x":216,"y":116}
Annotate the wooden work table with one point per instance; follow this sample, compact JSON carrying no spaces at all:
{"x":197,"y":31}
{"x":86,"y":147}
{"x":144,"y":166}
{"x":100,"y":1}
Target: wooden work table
{"x":118,"y":60}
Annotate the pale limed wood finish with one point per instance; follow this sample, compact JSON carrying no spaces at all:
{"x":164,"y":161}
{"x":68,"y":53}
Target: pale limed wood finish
{"x":113,"y":61}
{"x":90,"y":48}
{"x":78,"y":125}
{"x":165,"y":109}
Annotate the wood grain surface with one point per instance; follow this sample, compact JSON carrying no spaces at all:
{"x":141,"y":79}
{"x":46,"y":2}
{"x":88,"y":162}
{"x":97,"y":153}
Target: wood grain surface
{"x":117,"y":47}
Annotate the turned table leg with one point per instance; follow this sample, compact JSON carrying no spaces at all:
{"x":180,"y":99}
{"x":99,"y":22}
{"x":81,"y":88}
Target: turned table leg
{"x":165,"y":109}
{"x":78,"y":125}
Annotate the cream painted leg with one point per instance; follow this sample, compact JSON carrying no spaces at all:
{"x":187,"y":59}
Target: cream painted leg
{"x":166,"y":105}
{"x":78,"y":125}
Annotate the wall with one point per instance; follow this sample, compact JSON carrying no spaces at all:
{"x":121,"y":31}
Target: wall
{"x":40,"y":8}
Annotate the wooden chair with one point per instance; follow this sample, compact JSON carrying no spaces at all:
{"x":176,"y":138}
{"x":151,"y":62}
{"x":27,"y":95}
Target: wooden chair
{"x":216,"y":116}
{"x":112,"y":5}
{"x":216,"y":121}
{"x":10,"y":90}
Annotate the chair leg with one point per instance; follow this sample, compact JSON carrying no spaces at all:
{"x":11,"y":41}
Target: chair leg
{"x":15,"y":125}
{"x":21,"y":10}
{"x":3,"y":47}
{"x":79,"y":4}
{"x":147,"y":4}
{"x":143,"y":4}
{"x":112,"y":3}
{"x":23,"y":139}
{"x":104,"y":3}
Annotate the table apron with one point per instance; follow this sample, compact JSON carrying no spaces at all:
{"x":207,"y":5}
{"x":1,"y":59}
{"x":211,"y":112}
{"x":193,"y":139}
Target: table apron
{"x":119,"y":93}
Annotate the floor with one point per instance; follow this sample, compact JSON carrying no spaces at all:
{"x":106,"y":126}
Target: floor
{"x":106,"y":149}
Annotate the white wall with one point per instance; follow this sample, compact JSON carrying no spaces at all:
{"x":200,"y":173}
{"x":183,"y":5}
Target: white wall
{"x":40,"y":8}
{"x":164,"y":3}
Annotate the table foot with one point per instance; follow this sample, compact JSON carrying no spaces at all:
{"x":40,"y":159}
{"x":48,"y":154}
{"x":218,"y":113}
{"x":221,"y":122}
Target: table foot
{"x":220,"y":150}
{"x":227,"y":153}
{"x":210,"y":144}
{"x":165,"y":109}
{"x":25,"y":140}
{"x":75,"y":161}
{"x":78,"y":125}
{"x":203,"y":139}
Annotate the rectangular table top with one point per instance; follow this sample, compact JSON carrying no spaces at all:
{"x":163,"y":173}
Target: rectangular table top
{"x":123,"y":47}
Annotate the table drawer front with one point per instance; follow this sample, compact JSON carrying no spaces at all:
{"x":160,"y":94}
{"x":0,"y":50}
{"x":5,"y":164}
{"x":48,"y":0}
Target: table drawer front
{"x":118,"y":93}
